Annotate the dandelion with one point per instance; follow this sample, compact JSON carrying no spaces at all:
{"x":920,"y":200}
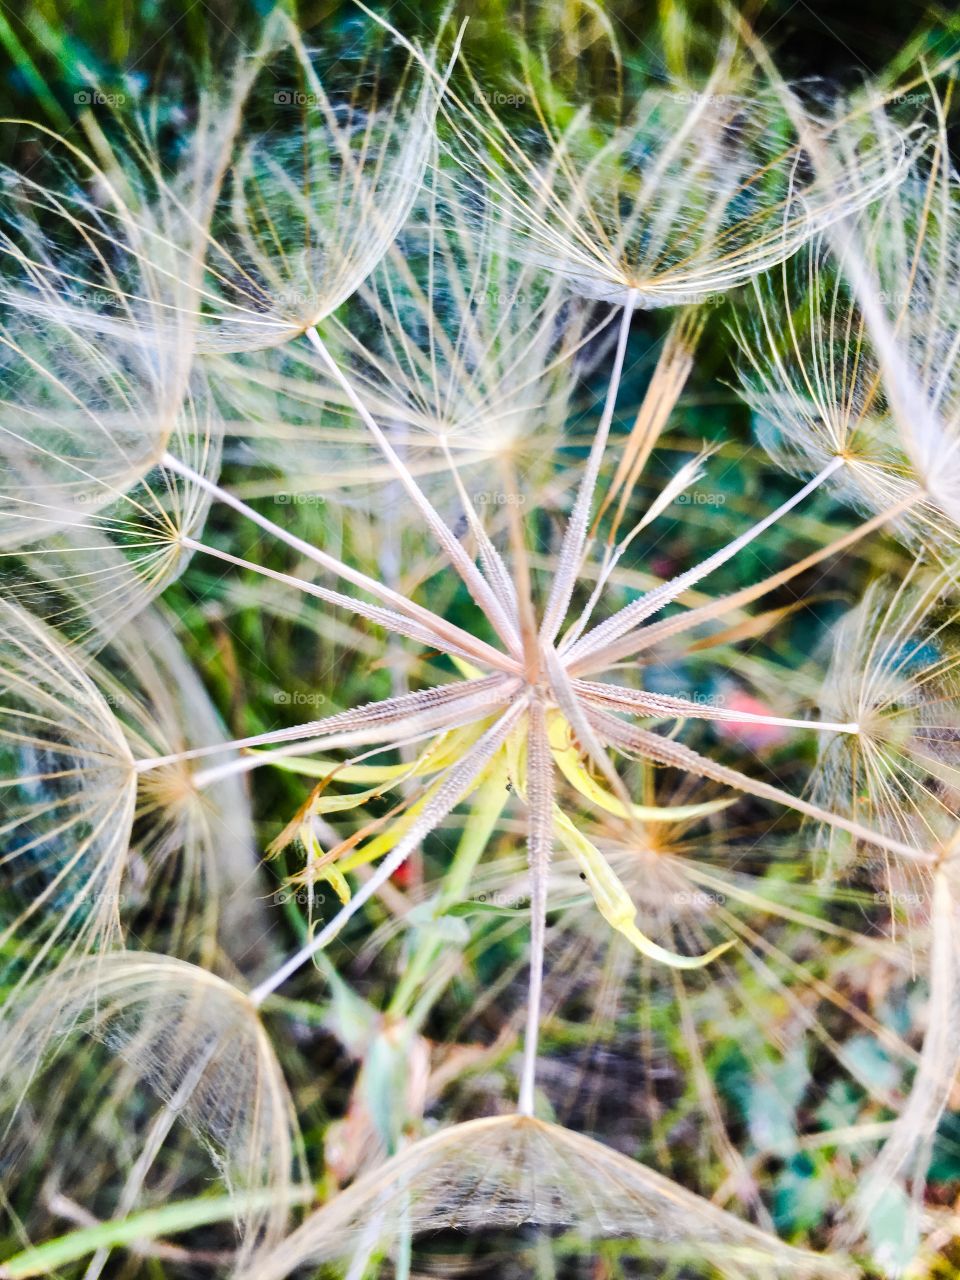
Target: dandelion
{"x":87,"y":440}
{"x":68,"y":789}
{"x":892,"y":671}
{"x":689,"y":196}
{"x":512,"y":1171}
{"x":195,"y":1041}
{"x":87,"y":848}
{"x":816,"y":390}
{"x":370,"y":293}
{"x":449,"y":344}
{"x":820,"y":389}
{"x":526,"y":705}
{"x":255,"y":239}
{"x":194,"y":849}
{"x":893,"y":657}
{"x":298,"y":248}
{"x":902,"y":326}
{"x":526,"y":702}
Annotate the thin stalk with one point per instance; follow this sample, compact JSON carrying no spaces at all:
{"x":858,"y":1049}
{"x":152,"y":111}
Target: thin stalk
{"x":434,"y":632}
{"x":151,"y":1224}
{"x":457,"y":782}
{"x":665,"y":751}
{"x":526,"y":611}
{"x":335,"y":730}
{"x":638,"y":702}
{"x":562,"y":691}
{"x":426,"y":617}
{"x":539,"y":847}
{"x":660,"y":398}
{"x":575,"y":535}
{"x":653,"y":601}
{"x":490,"y":558}
{"x":636,"y":643}
{"x":483,"y":595}
{"x":614,"y":553}
{"x":467,"y":714}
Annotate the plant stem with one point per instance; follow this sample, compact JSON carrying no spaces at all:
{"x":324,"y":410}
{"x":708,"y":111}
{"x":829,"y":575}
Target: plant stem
{"x":574,"y":538}
{"x":653,"y":601}
{"x":436,"y":625}
{"x":539,"y":785}
{"x":41,"y":1260}
{"x":473,"y":579}
{"x":488,"y":804}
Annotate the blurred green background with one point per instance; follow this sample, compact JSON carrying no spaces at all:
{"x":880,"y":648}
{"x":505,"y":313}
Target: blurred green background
{"x":55,"y":49}
{"x":52,"y":52}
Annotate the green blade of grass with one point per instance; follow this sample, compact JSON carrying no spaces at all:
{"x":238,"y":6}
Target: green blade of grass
{"x":41,"y":1259}
{"x":27,"y":68}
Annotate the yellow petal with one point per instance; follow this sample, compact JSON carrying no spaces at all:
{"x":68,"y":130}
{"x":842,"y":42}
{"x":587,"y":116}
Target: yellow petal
{"x":467,"y":669}
{"x":570,"y":764}
{"x":386,"y":840}
{"x":338,"y":881}
{"x":615,"y":904}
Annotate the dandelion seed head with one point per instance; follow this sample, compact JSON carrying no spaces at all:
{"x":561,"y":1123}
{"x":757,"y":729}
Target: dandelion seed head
{"x":869,"y":372}
{"x":466,"y":359}
{"x":190,"y":1038}
{"x":690,"y":196}
{"x":509,"y":1172}
{"x":252,"y":238}
{"x":368,"y":309}
{"x":814,"y":384}
{"x":893,"y":674}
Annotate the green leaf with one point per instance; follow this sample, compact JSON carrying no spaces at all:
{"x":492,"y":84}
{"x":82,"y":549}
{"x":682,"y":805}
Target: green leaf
{"x":479,"y":906}
{"x":893,"y":1230}
{"x":41,"y":1259}
{"x":802,"y":1195}
{"x":772,"y":1104}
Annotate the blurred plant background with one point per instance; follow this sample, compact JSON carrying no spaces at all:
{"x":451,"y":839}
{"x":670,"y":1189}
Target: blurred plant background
{"x":730,"y":1085}
{"x":54,"y":52}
